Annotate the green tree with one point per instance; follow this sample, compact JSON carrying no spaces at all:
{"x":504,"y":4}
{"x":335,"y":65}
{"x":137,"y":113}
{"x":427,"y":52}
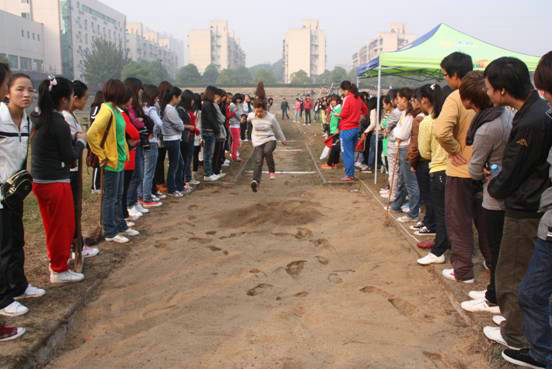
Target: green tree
{"x":105,"y":61}
{"x":325,"y":78}
{"x":138,"y":69}
{"x":240,"y":76}
{"x":211,"y":74}
{"x":265,"y":75}
{"x":243,"y":76}
{"x":352,"y":76}
{"x":159,"y":73}
{"x":188,"y":74}
{"x":4,"y":59}
{"x":301,"y":78}
{"x":339,"y":75}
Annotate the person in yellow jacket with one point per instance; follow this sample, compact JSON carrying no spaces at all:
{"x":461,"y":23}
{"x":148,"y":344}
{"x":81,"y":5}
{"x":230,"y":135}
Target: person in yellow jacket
{"x":432,"y":101}
{"x":112,"y":155}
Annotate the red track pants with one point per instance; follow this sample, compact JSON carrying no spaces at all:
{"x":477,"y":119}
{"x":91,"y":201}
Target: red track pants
{"x":58,"y":216}
{"x":235,"y":142}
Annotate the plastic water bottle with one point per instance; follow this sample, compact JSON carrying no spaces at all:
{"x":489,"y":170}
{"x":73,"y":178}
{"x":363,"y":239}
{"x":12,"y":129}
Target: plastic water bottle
{"x":495,"y":169}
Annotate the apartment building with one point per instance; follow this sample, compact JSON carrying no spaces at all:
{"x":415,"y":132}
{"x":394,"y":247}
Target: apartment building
{"x":305,"y":49}
{"x":146,"y":44}
{"x":216,"y":45}
{"x":393,"y":40}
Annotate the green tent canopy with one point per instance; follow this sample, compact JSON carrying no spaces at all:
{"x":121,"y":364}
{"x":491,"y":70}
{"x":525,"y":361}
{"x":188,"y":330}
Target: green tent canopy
{"x":422,"y":58}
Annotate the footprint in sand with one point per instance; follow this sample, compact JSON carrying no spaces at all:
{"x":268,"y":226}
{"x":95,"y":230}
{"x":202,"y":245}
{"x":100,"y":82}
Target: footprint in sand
{"x":200,"y":240}
{"x":322,"y":243}
{"x":211,"y":233}
{"x":322,"y":260}
{"x":336,"y":277}
{"x":403,"y":307}
{"x":295,"y":268}
{"x":303,"y":233}
{"x":299,"y":294}
{"x":259,"y":289}
{"x":214,"y":249}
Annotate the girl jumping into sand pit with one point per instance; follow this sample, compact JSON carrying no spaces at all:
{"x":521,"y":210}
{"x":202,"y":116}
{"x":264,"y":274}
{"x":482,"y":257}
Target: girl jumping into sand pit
{"x":266,"y":130}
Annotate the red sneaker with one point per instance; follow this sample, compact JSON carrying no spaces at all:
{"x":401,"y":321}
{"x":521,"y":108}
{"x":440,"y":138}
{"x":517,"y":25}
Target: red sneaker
{"x":151,"y":204}
{"x":326,"y":166}
{"x":425,"y":245}
{"x":10,"y":333}
{"x":347,"y":179}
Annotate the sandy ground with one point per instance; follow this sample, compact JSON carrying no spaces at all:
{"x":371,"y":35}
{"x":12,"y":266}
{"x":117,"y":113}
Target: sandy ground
{"x":297,"y":276}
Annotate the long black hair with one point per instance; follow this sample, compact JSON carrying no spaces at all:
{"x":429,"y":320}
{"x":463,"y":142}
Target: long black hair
{"x":135,"y":85}
{"x":50,"y":93}
{"x":187,"y":101}
{"x":79,"y":89}
{"x":351,"y":87}
{"x":4,"y":72}
{"x":167,"y":97}
{"x":151,"y":93}
{"x":407,"y":93}
{"x":434,"y":94}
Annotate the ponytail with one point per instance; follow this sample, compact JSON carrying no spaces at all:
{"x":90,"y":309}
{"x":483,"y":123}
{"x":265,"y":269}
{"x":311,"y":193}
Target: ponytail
{"x":351,"y":87}
{"x":407,"y":93}
{"x":167,"y":97}
{"x":50,"y":93}
{"x":260,"y":101}
{"x":434,"y":93}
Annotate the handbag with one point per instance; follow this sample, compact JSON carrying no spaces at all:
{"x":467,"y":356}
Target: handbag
{"x":361,"y":144}
{"x":92,"y":159}
{"x":19,"y":185}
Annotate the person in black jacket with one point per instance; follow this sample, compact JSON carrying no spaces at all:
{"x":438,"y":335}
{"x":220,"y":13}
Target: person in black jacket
{"x":53,"y":152}
{"x":520,"y":183}
{"x":210,"y":130}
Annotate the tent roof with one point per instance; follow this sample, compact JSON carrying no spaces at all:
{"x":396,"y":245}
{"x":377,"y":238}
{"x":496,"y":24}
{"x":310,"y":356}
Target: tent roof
{"x":424,"y":55}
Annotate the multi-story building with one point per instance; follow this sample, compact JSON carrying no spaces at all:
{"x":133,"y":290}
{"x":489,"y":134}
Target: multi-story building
{"x":305,"y":49}
{"x":70,"y":26}
{"x":145,"y":44}
{"x":393,"y":40}
{"x":31,"y":31}
{"x":216,"y":45}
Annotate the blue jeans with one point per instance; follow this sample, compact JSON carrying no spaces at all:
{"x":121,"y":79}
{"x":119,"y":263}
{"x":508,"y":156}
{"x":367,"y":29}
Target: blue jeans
{"x":349,"y":140}
{"x":410,"y":183}
{"x":372,"y":153}
{"x":150,"y":163}
{"x":112,"y":205}
{"x":137,"y":178}
{"x":534,"y":294}
{"x":187,"y":150}
{"x":208,"y":152}
{"x":173,"y":149}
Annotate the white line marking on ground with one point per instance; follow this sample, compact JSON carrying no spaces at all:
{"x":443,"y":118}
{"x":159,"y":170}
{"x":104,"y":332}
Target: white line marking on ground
{"x":284,"y":172}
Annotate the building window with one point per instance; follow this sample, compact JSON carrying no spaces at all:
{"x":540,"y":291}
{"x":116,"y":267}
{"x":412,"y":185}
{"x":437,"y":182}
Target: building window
{"x":33,"y":36}
{"x":26,"y":63}
{"x":28,"y":35}
{"x":13,"y":60}
{"x":22,"y":33}
{"x":38,"y":36}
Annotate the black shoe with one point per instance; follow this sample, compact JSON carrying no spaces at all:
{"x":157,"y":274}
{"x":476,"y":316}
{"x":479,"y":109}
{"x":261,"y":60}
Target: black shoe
{"x":521,"y":358}
{"x":254,"y":185}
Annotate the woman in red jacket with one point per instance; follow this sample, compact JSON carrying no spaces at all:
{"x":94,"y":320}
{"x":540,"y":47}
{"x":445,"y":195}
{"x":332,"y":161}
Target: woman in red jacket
{"x":133,"y":139}
{"x":349,"y":126}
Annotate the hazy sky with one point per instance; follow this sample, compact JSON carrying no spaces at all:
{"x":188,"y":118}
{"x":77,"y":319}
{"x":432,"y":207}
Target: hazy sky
{"x":520,"y":25}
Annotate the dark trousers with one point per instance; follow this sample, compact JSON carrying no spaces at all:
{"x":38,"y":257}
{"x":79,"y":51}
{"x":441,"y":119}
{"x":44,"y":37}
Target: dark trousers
{"x":218,"y":157}
{"x":187,"y":152}
{"x":249,"y":130}
{"x":13,"y":282}
{"x":285,"y":114}
{"x":424,"y":183}
{"x":159,"y":178}
{"x":127,"y":179}
{"x":112,"y":204}
{"x":463,"y":209}
{"x":515,"y":253}
{"x":438,"y":183}
{"x":264,"y":152}
{"x":197,"y":149}
{"x":493,"y":225}
{"x":535,"y":291}
{"x":308,"y":119}
{"x":243,"y":131}
{"x":333,"y":159}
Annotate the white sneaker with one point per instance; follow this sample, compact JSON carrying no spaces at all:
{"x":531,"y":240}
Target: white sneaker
{"x":477,"y":295}
{"x":212,"y":178}
{"x":131,"y":232}
{"x":130,"y":224}
{"x":364,"y":167}
{"x":20,"y":332}
{"x":480,"y":306}
{"x":226,"y":163}
{"x":405,"y":209}
{"x":140,"y":208}
{"x":221,"y":175}
{"x":194,"y":182}
{"x":431,"y":259}
{"x":449,"y":274}
{"x":118,"y":239}
{"x":14,"y":309}
{"x":31,"y":292}
{"x":498,"y":319}
{"x":405,"y":219}
{"x":175,"y":194}
{"x":494,"y":334}
{"x":90,"y":252}
{"x":66,"y":277}
{"x":134,"y":214}
{"x":358,"y":164}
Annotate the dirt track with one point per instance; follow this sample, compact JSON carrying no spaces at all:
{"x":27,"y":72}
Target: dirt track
{"x":297,"y":276}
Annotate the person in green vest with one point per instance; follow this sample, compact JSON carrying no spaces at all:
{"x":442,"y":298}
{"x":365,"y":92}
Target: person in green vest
{"x":333,"y":159}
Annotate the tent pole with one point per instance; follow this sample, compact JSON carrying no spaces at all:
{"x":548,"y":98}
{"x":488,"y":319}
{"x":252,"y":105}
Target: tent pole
{"x":377,"y":126}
